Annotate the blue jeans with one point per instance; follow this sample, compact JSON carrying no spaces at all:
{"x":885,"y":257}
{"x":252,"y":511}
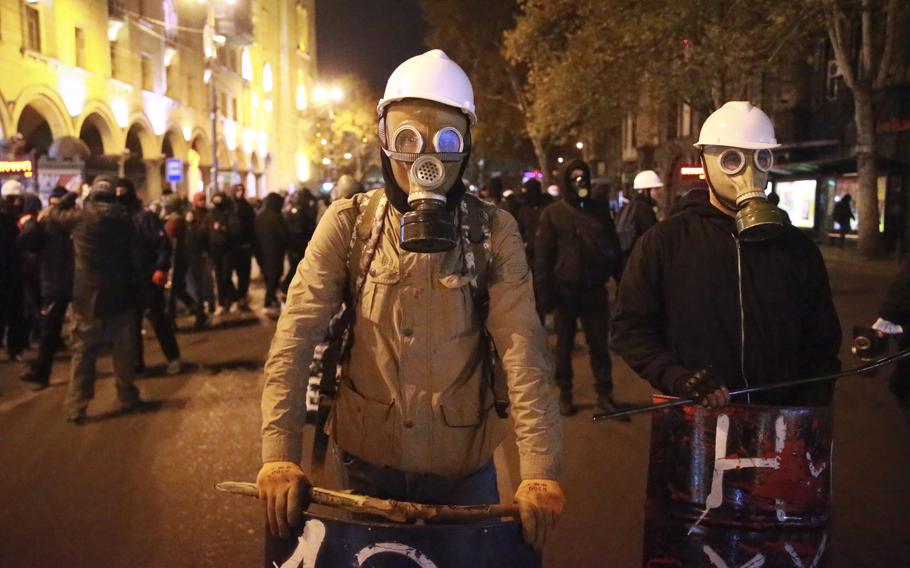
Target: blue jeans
{"x":478,"y":488}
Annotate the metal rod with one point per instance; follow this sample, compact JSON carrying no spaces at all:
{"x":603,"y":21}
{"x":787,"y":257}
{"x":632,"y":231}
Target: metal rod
{"x":763,"y":388}
{"x":398,"y":511}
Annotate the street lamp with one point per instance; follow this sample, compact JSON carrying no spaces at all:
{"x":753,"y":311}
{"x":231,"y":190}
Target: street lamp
{"x":579,"y":145}
{"x":211,"y":41}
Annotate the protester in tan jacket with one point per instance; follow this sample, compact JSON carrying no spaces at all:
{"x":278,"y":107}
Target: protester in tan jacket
{"x":414,"y":417}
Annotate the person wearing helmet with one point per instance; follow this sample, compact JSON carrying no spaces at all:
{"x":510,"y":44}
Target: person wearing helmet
{"x":431,"y":271}
{"x":637,"y":216}
{"x":726,"y":294}
{"x":346,"y":188}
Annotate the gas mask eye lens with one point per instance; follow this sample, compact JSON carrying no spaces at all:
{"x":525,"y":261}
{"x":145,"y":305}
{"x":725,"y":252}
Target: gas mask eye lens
{"x":732,"y":161}
{"x":407,"y":140}
{"x":764,"y":159}
{"x":448,"y":140}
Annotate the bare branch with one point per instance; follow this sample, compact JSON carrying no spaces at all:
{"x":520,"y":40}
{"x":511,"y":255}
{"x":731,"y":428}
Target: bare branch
{"x":891,"y":18}
{"x":835,"y":34}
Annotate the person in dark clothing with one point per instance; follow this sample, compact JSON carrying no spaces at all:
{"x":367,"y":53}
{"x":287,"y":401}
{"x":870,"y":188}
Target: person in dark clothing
{"x":679,"y":308}
{"x":300,"y":218}
{"x":243,"y":238}
{"x":104,"y":297}
{"x":272,"y":236}
{"x":637,"y":216}
{"x":199,"y":272}
{"x":177,"y":230}
{"x":12,"y":319}
{"x":155,"y":255}
{"x":511,"y":203}
{"x":894,"y":319}
{"x":576,"y":251}
{"x":533,"y":201}
{"x":51,"y":241}
{"x":31,"y":269}
{"x":220,"y":246}
{"x":843,"y":216}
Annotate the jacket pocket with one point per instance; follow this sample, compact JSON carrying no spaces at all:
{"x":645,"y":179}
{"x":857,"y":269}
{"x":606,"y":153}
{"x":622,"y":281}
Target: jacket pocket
{"x":380,"y":293}
{"x":363,"y":426}
{"x":454,"y":304}
{"x":464,"y":414}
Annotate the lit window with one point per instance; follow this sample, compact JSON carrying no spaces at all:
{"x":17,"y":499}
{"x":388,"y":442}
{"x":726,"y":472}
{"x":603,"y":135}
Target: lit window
{"x":32,"y":28}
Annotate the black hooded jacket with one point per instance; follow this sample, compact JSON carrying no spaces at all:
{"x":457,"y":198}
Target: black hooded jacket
{"x":692,"y":295}
{"x":272,"y":235}
{"x":576,"y":243}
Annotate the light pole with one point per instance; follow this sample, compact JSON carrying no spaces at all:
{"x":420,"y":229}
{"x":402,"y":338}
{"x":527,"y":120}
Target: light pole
{"x":211,"y":40}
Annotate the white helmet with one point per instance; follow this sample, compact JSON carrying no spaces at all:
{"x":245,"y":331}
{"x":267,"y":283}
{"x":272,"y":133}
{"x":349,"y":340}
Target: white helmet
{"x":740,"y":125}
{"x":430,"y":76}
{"x":10,"y":188}
{"x":647,"y":179}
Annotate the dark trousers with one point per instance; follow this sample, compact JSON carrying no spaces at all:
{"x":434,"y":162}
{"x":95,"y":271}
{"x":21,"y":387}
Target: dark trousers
{"x":272,"y":283}
{"x":13,"y":327}
{"x":153,"y":310}
{"x":294,"y":259}
{"x":226,"y":291}
{"x":53,"y":316}
{"x":591,"y":306}
{"x":179,"y":292}
{"x":241,"y":262}
{"x":478,"y":488}
{"x":89,"y":336}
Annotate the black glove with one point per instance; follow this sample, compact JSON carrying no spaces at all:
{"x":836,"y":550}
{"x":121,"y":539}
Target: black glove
{"x":697,"y":386}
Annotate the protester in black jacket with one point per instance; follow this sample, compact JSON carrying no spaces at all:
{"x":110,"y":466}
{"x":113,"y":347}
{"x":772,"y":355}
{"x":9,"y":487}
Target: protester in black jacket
{"x":177,"y":230}
{"x":220,"y":248}
{"x":576,"y":251}
{"x":51,"y":241}
{"x":155,"y":254}
{"x":243,"y":240}
{"x":300,"y":218}
{"x":894,"y":319}
{"x":199,"y":272}
{"x":104,"y":294}
{"x":272,"y":236}
{"x":13,"y":330}
{"x":694,"y":297}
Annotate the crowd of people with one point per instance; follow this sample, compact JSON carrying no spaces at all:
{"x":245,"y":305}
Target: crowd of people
{"x":117,"y":262}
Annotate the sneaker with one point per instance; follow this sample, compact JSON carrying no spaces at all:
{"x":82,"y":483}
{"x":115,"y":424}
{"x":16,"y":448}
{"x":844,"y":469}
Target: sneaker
{"x":219,"y":311}
{"x":173,"y":367}
{"x":76,"y":416}
{"x":566,"y":408}
{"x":37,"y":380}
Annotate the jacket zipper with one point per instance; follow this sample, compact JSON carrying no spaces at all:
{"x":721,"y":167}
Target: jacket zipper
{"x":742,"y":316}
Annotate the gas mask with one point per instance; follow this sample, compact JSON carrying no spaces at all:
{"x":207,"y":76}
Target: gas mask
{"x":582,"y":186}
{"x":738,"y":177}
{"x":426,"y":144}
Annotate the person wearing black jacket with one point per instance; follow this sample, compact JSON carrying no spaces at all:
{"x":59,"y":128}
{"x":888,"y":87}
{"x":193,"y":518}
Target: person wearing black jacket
{"x":300,"y":219}
{"x":695,"y":297}
{"x":576,"y":251}
{"x":13,"y":329}
{"x":243,"y":237}
{"x":51,"y":241}
{"x":894,"y":319}
{"x":155,"y":255}
{"x":104,"y":294}
{"x":220,"y":247}
{"x":272,"y":236}
{"x":199,"y":272}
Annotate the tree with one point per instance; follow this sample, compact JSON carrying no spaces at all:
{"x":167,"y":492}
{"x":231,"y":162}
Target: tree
{"x":471,"y":33}
{"x":865,"y":76}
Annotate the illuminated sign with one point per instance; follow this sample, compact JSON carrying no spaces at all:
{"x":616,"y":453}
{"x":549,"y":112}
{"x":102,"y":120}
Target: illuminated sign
{"x":23,"y":167}
{"x":692,"y":171}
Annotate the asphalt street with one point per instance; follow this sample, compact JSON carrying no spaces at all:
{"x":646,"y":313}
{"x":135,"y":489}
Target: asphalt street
{"x":137,"y":490}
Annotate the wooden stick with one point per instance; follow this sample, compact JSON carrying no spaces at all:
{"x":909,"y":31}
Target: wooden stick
{"x":398,"y":511}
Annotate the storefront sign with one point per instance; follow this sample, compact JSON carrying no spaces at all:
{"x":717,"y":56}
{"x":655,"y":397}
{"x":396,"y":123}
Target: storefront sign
{"x":21,"y":167}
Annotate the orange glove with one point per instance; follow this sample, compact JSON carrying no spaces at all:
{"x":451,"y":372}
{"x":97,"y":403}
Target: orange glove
{"x":159,"y":278}
{"x":540,"y":502}
{"x":284,"y":492}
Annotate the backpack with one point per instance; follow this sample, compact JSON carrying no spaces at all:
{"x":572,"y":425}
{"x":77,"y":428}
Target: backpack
{"x":625,"y":227}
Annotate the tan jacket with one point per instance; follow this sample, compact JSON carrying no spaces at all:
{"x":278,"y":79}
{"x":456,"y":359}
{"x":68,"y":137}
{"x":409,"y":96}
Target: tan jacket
{"x":412,"y":396}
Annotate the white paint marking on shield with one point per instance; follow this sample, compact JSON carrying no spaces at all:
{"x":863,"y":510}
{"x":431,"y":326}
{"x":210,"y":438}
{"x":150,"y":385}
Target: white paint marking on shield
{"x":394,"y":548}
{"x":308,"y":546}
{"x":714,"y":558}
{"x":722,"y":464}
{"x":798,"y":563}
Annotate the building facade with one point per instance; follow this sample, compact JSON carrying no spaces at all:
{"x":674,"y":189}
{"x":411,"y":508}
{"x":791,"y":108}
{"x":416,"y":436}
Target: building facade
{"x":120,"y":87}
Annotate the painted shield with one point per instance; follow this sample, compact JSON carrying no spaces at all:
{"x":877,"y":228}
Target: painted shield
{"x":326,"y":542}
{"x":745,"y":485}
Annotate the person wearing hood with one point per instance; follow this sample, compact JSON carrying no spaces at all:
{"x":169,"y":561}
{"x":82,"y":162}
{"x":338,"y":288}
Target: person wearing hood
{"x":272,"y":236}
{"x":51,"y":241}
{"x":107,"y":272}
{"x":220,"y":246}
{"x":177,"y":230}
{"x":576,"y":251}
{"x":31,"y":267}
{"x":727,"y":294}
{"x":429,"y":267}
{"x":13,"y":327}
{"x":533,"y":201}
{"x":199,"y":271}
{"x":155,"y":254}
{"x":300,"y":218}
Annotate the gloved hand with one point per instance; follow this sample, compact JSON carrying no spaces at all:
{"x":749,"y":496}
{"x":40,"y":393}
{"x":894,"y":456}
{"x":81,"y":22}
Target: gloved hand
{"x":159,"y":278}
{"x":703,"y":387}
{"x":285,"y":493}
{"x":540,"y":502}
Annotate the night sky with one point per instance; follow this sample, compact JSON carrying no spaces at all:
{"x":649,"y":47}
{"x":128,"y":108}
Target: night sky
{"x":367,"y":38}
